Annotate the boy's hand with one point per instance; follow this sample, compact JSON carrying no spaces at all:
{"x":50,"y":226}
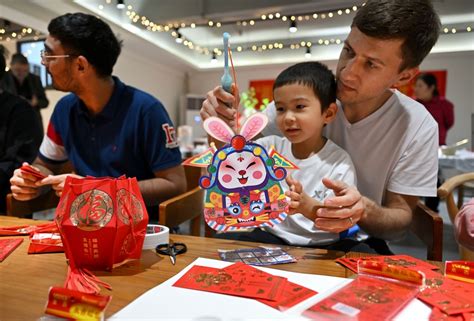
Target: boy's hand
{"x":300,"y":202}
{"x":343,"y":210}
{"x":220,"y":103}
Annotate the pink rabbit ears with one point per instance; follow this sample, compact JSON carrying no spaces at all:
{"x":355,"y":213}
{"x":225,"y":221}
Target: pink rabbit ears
{"x":218,"y":129}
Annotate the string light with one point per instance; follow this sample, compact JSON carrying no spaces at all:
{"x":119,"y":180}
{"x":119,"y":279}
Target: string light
{"x":293,"y":27}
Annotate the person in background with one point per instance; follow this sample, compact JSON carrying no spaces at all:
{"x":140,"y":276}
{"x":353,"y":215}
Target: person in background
{"x":464,"y":225}
{"x":20,"y":81}
{"x":442,"y":110}
{"x":104,"y":127}
{"x":20,"y":135}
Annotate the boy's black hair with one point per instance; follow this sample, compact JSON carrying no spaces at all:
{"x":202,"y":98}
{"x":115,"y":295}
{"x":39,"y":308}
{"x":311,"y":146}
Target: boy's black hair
{"x":413,"y":21}
{"x":88,"y":36}
{"x":311,"y":74}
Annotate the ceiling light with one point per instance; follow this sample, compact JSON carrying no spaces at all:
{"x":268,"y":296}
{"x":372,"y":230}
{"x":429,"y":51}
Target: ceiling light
{"x":213,"y":59}
{"x":307,"y":55}
{"x":293,"y":27}
{"x":120,"y":4}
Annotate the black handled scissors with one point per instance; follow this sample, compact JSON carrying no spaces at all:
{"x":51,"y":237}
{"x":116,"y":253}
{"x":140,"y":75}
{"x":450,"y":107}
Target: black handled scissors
{"x":172,"y":250}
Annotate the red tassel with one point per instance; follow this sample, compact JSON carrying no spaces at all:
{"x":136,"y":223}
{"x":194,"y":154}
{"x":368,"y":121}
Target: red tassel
{"x":83,"y":280}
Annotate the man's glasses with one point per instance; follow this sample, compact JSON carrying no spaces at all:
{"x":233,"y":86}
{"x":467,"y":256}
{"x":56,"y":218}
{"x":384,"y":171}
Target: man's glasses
{"x":45,"y":56}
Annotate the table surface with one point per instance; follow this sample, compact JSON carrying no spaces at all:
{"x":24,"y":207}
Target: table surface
{"x":25,"y":279}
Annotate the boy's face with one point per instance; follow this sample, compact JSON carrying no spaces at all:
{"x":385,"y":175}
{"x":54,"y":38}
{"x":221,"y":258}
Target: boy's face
{"x":299,"y":115}
{"x":367,"y":67}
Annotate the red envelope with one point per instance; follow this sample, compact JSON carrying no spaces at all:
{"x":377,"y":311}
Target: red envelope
{"x":7,"y":246}
{"x":28,"y":229}
{"x":292,"y":294}
{"x":450,"y":296}
{"x":45,"y":243}
{"x":30,"y":170}
{"x":365,"y":298}
{"x":209,"y":279}
{"x":438,"y":315}
{"x":398,"y":260}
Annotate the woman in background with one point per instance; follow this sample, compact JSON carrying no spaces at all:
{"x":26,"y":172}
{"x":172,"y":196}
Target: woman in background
{"x":442,"y":110}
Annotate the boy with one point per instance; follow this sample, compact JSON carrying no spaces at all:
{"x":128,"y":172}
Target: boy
{"x":305,"y":99}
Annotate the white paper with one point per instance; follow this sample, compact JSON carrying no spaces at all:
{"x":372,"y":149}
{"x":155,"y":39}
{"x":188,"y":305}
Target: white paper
{"x":166,"y":302}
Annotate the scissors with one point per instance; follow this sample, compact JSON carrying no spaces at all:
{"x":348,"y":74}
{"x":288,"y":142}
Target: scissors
{"x":172,"y":250}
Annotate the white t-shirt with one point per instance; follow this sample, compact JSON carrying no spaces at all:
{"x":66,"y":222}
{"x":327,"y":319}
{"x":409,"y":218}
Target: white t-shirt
{"x":332,"y":162}
{"x":395,"y":148}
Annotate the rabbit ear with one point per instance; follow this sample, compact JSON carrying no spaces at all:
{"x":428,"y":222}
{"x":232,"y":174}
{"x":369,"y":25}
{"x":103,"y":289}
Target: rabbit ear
{"x":254,"y":125}
{"x":218,"y":129}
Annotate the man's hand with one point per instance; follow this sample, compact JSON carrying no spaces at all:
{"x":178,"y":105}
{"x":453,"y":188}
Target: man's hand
{"x":220,"y":103}
{"x":56,"y":182}
{"x":346,"y":208}
{"x":24,"y":185}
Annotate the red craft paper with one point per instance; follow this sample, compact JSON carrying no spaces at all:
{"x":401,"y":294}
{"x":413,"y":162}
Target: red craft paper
{"x":398,"y":260}
{"x":45,"y":243}
{"x":28,"y":229}
{"x":291,"y":295}
{"x":7,"y":246}
{"x":30,"y":170}
{"x":365,"y":298}
{"x":450,"y":296}
{"x":221,"y":281}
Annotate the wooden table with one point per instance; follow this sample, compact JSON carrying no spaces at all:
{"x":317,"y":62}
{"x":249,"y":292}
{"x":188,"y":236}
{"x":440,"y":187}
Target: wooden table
{"x":25,"y":279}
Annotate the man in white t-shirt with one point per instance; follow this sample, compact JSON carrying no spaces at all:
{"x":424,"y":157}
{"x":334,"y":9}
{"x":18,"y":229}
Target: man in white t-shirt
{"x":391,"y":139}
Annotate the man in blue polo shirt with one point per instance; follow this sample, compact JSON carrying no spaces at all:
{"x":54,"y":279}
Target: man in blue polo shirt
{"x":104,"y":128}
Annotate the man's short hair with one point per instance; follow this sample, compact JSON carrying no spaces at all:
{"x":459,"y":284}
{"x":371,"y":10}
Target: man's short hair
{"x":88,"y":36}
{"x":314,"y":75}
{"x":18,"y":58}
{"x":413,"y":21}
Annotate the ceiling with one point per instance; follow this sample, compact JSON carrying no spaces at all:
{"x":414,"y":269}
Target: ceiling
{"x":256,"y":32}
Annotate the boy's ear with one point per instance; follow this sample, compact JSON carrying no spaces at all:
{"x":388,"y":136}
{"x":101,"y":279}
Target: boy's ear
{"x":405,"y":76}
{"x":330,"y":113}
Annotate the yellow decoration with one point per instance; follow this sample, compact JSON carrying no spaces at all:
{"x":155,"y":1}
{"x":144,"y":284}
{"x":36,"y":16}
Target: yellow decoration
{"x":257,"y":151}
{"x":221,"y":155}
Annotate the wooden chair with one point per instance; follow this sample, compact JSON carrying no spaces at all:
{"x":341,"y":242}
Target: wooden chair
{"x":22,"y":209}
{"x":427,"y":225}
{"x":445,"y":192}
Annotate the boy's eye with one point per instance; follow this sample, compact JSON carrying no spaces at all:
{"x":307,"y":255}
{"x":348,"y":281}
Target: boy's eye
{"x":300,"y":106}
{"x":279,"y":109}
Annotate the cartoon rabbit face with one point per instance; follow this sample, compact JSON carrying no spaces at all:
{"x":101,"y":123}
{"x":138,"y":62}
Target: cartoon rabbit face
{"x":242,"y":169}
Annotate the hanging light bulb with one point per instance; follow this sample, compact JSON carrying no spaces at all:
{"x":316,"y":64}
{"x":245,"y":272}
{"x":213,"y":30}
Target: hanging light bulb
{"x":179,"y":37}
{"x":120,"y":4}
{"x":293,"y":27}
{"x":307,"y":55}
{"x":213,"y":59}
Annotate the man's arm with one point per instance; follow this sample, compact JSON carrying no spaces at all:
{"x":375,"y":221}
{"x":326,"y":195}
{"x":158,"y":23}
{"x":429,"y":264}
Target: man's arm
{"x":166,"y":184}
{"x":391,"y":220}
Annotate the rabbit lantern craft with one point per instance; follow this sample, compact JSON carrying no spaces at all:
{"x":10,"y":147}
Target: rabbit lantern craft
{"x":243,"y":183}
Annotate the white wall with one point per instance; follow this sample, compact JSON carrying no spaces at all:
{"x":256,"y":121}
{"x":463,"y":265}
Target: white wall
{"x":460,"y":84}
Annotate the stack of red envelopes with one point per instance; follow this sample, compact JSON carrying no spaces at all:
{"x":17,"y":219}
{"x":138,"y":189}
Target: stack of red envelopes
{"x":30,"y":170}
{"x":243,"y":280}
{"x":451,"y":297}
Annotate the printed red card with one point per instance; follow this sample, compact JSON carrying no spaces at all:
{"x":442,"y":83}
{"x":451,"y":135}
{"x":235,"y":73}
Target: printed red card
{"x":7,"y":246}
{"x":30,"y":170}
{"x":291,"y":295}
{"x":45,"y":243}
{"x":438,"y":315}
{"x":209,"y":279}
{"x":76,"y":305}
{"x":450,"y":296}
{"x":460,"y":270}
{"x":365,"y":298}
{"x":398,"y":260}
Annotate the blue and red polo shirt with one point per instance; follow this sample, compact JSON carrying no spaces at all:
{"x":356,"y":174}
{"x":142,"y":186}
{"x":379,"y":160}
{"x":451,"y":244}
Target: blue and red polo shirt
{"x":133,"y":135}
